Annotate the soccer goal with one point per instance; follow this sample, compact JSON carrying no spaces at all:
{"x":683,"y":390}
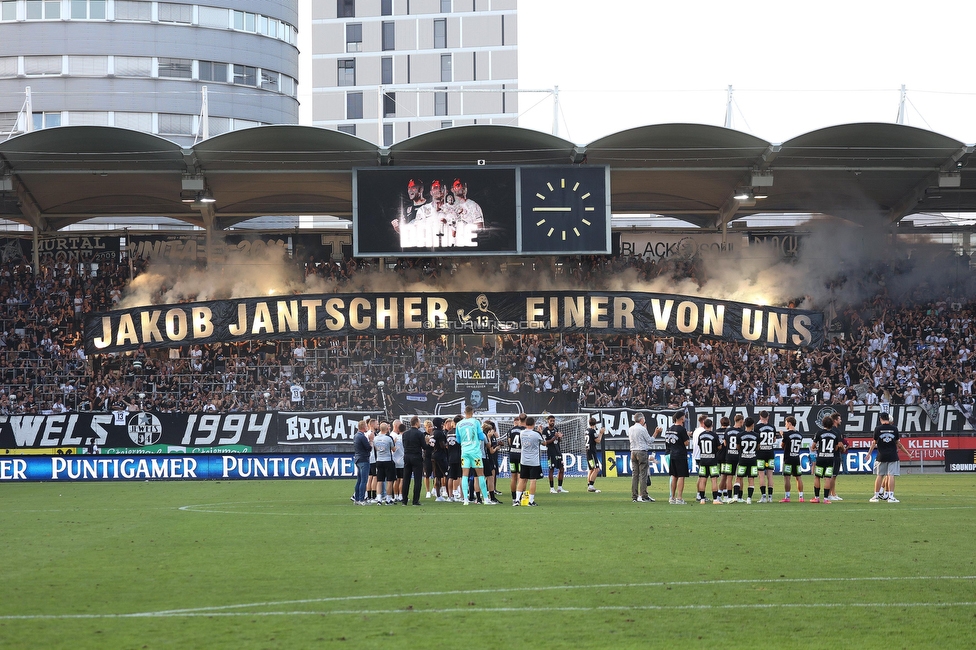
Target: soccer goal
{"x":573,"y":427}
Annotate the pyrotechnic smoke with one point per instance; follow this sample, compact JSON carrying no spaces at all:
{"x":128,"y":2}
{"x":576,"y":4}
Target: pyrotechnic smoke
{"x":266,"y":271}
{"x":837,"y":265}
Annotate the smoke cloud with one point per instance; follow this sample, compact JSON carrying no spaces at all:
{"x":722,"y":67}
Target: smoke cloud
{"x":837,"y":266}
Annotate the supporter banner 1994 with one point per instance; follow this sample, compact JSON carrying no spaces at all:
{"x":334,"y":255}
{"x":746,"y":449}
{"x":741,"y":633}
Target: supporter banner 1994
{"x":248,"y":319}
{"x":157,"y":433}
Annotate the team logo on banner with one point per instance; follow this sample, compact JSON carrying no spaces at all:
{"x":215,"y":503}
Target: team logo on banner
{"x":824,"y":412}
{"x":144,"y":429}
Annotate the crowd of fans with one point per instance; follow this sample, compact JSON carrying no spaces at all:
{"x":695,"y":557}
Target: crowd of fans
{"x":917,"y":349}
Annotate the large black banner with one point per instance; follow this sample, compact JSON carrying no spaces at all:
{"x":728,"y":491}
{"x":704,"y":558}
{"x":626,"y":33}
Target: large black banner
{"x":616,"y":421}
{"x":174,"y":432}
{"x":857,"y":420}
{"x":68,"y":433}
{"x":136,"y":430}
{"x":60,"y":248}
{"x":310,"y":315}
{"x":808,"y":417}
{"x":911,"y":420}
{"x":316,"y":427}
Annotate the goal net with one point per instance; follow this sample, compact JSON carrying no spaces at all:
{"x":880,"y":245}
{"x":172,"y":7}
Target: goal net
{"x":573,"y":444}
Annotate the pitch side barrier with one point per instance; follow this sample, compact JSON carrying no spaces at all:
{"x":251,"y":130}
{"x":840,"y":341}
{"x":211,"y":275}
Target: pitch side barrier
{"x":317,"y":444}
{"x":311,"y":431}
{"x":927,"y":434}
{"x":140,"y":433}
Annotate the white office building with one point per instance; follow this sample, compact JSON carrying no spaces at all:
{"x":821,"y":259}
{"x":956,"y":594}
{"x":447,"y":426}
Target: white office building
{"x":387,"y":70}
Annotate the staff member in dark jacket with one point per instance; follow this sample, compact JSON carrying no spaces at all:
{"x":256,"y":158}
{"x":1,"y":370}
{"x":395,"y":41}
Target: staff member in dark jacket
{"x":413,"y":460}
{"x":362,"y":449}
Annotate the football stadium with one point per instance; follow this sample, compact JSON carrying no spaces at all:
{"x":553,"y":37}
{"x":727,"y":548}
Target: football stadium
{"x":717,"y":390}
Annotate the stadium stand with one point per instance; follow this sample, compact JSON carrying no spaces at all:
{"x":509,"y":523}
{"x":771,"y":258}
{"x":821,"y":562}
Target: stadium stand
{"x":915,"y":348}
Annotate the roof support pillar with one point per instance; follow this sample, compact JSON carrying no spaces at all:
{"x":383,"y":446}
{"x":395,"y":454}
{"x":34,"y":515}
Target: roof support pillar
{"x":726,"y":213}
{"x":32,"y":212}
{"x":28,"y":206}
{"x":37,"y":252}
{"x":210,"y":224}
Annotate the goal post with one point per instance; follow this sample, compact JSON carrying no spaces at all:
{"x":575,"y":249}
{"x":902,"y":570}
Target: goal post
{"x":573,"y":427}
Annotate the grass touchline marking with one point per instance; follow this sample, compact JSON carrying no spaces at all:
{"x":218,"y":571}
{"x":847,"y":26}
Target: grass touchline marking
{"x":203,"y":508}
{"x":624,"y":585}
{"x":456,"y":610}
{"x":216,"y":609}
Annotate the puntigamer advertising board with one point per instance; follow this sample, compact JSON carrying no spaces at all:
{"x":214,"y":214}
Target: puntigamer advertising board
{"x":177,"y":468}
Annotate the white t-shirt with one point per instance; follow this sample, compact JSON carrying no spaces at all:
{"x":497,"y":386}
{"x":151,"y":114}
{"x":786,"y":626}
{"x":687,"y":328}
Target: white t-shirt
{"x":696,"y":454}
{"x":296,"y":394}
{"x":397,"y":450}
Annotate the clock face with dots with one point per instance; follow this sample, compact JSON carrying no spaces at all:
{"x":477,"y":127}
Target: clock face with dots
{"x":564,"y":210}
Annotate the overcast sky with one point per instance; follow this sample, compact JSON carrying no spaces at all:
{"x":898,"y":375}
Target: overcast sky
{"x":794,"y":66}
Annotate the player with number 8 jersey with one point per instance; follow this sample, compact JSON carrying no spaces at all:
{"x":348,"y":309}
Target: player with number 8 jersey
{"x":730,"y":466}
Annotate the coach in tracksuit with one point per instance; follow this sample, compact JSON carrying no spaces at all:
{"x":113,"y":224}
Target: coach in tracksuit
{"x":413,"y":460}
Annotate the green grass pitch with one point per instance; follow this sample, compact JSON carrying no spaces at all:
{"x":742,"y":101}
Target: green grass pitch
{"x":286,"y":564}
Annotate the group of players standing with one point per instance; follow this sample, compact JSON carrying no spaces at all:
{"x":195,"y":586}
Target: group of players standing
{"x":731,"y":457}
{"x":741,"y":450}
{"x":450,"y":454}
{"x":391,"y":456}
{"x":525,"y":442}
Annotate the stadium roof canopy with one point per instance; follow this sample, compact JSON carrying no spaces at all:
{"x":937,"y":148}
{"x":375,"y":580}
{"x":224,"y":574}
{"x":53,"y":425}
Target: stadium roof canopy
{"x":56,"y":177}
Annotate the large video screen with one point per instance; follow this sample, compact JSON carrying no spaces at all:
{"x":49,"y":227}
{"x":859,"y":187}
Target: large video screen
{"x":428,"y":211}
